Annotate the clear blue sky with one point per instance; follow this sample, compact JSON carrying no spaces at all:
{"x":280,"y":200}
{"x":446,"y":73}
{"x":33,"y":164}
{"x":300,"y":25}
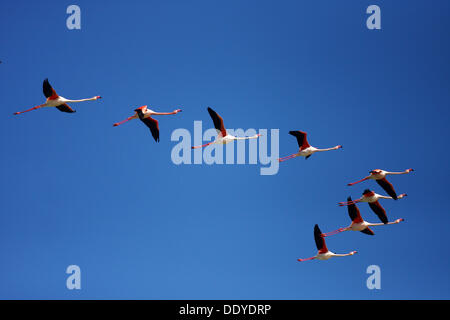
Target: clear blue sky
{"x":75,"y":190}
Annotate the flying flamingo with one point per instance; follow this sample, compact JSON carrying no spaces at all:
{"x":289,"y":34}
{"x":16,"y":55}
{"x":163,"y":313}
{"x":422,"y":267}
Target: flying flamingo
{"x":305,"y":148}
{"x":358,"y":224}
{"x":323,"y":253}
{"x":372,"y":198}
{"x":54,"y":100}
{"x":222,"y":136}
{"x":145,"y":115}
{"x":380,"y":177}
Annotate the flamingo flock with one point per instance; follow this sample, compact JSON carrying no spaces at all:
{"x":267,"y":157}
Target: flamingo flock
{"x":358,"y":223}
{"x":147,"y":115}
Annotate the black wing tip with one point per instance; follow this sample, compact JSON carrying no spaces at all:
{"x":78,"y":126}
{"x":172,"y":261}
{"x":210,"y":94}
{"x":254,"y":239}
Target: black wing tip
{"x":368,"y":231}
{"x":349,"y":198}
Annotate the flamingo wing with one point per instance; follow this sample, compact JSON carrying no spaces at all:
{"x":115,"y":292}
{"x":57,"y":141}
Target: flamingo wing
{"x":65,"y":108}
{"x":152,"y":124}
{"x":301,"y":139}
{"x":368,"y":231}
{"x":320,"y":241}
{"x":353,"y":212}
{"x":379,"y":211}
{"x":49,"y":92}
{"x":388,"y":187}
{"x":218,"y":122}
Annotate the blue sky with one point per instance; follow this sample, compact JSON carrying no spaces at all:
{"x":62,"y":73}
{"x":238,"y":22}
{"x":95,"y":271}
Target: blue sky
{"x":75,"y":190}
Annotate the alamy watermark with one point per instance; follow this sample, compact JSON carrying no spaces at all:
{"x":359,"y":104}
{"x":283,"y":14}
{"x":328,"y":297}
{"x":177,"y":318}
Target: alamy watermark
{"x":258,"y":149}
{"x":374,"y":280}
{"x":74,"y":20}
{"x":374,"y":20}
{"x":74,"y":280}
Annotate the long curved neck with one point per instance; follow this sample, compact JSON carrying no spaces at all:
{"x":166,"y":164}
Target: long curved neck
{"x":163,"y":113}
{"x":342,"y":254}
{"x":383,"y":224}
{"x":377,"y":224}
{"x":327,"y":149}
{"x":81,"y":100}
{"x":246,"y":138}
{"x":403,"y":172}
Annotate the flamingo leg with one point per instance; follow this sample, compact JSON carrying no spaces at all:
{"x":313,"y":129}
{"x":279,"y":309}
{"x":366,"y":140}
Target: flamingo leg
{"x":34,"y":108}
{"x":351,"y":184}
{"x":287,"y":157}
{"x":121,"y":122}
{"x":301,"y":260}
{"x":347,"y":203}
{"x":332,"y":233}
{"x":204,"y":145}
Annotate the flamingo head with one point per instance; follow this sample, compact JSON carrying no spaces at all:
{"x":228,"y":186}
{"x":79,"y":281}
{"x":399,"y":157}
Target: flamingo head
{"x":98,"y":97}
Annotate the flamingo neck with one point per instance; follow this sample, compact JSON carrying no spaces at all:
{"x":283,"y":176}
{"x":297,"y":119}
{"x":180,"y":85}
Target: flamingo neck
{"x":81,"y":100}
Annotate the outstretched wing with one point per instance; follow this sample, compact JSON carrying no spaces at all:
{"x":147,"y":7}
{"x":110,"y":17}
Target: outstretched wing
{"x":301,"y":139}
{"x":65,"y":108}
{"x":368,"y":231}
{"x":48,"y":90}
{"x":388,"y":187}
{"x":320,"y":241}
{"x":218,"y":122}
{"x":152,"y":124}
{"x":353,"y":212}
{"x":379,"y":211}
